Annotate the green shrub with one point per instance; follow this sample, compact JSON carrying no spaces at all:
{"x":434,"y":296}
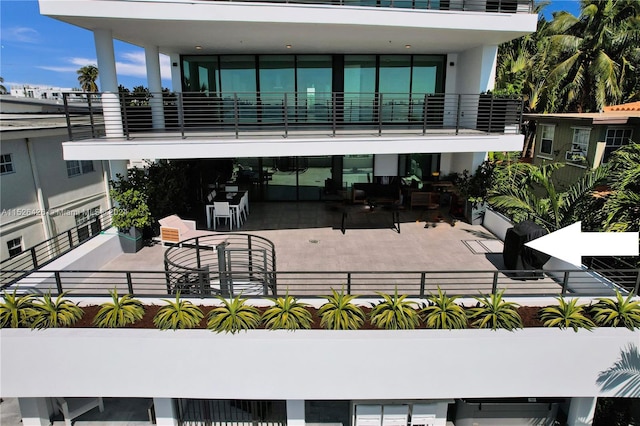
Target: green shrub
{"x":619,"y":312}
{"x":288,"y":314}
{"x":233,"y":316}
{"x":178,"y":315}
{"x":61,"y":312}
{"x":339,"y":313}
{"x":494,"y":312}
{"x":16,"y":311}
{"x":443,"y":313}
{"x":394,"y":313}
{"x":122,"y":311}
{"x":566,"y":315}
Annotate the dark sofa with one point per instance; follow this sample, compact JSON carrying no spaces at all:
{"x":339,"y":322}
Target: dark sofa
{"x":386,"y":194}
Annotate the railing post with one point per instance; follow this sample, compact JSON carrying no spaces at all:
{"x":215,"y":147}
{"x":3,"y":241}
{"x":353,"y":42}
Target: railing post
{"x":68,"y":117}
{"x":286,"y":124}
{"x":181,"y":114}
{"x":91,"y":119}
{"x":334,"y":101}
{"x":58,"y":282}
{"x":34,"y":257}
{"x":124,"y":115}
{"x":424,"y":115}
{"x":198,"y":262}
{"x":423,"y":281}
{"x":348,"y":282}
{"x":379,"y":97}
{"x":70,"y":237}
{"x":494,"y":286}
{"x":203,"y":281}
{"x":129,"y":283}
{"x":236,"y":114}
{"x":637,"y":287}
{"x":565,"y":282}
{"x":458,"y":113}
{"x":490,"y":114}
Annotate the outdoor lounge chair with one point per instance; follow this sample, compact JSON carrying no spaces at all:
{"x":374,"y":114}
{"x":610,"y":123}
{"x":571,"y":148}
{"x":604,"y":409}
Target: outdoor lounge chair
{"x":173,"y":229}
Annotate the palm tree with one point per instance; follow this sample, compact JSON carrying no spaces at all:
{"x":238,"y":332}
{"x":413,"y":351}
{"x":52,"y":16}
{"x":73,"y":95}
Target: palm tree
{"x":87,"y":77}
{"x":595,"y":54}
{"x":622,"y":207}
{"x":3,"y":89}
{"x":527,"y":192}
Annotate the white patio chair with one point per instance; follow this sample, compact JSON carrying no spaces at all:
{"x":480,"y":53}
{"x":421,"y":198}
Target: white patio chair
{"x":244,"y":205}
{"x":221,"y":209}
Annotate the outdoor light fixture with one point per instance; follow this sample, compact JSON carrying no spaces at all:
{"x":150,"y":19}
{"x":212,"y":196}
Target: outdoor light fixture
{"x":288,"y":46}
{"x":198,"y":47}
{"x":407,"y":46}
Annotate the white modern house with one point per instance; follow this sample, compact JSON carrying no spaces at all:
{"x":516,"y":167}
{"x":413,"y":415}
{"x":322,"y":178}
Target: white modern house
{"x":377,"y":89}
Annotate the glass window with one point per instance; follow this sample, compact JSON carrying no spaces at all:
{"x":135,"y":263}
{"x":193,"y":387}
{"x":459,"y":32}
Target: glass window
{"x":427,"y":73}
{"x":579,"y":145}
{"x":14,"y":246}
{"x":546,"y":139}
{"x":394,"y":83}
{"x":237,"y":74}
{"x":201,"y":74}
{"x":86,"y":230}
{"x":359,"y":87}
{"x":314,"y":77}
{"x":616,"y":137}
{"x":76,"y":168}
{"x":6,"y":164}
{"x":277,"y":73}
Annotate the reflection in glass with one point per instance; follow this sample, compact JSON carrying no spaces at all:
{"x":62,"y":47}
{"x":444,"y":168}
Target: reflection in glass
{"x":314,"y":78}
{"x":359,"y":87}
{"x":238,"y":76}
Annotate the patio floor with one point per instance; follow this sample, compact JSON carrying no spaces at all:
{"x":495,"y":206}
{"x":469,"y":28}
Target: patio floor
{"x":308,"y":237}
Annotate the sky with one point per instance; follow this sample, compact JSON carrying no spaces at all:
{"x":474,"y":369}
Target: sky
{"x":36,"y":49}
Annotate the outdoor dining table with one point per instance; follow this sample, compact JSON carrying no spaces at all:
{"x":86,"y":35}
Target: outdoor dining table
{"x":234,"y":199}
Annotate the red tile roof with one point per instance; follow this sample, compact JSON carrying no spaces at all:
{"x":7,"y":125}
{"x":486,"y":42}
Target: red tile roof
{"x":632,"y":106}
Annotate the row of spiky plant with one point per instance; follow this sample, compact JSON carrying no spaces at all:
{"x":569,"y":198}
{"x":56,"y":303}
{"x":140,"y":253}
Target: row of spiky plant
{"x":338,"y":313}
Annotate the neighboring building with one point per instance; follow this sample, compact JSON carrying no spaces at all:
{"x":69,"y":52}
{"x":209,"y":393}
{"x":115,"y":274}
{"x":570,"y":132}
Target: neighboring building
{"x":41,"y":194}
{"x":374,"y":89}
{"x":584,"y":141}
{"x":40,"y":91}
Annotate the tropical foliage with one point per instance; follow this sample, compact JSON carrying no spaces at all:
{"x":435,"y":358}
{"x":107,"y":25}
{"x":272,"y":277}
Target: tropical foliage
{"x":178,"y":314}
{"x":87,"y":76}
{"x":442,"y":312}
{"x":568,"y":314}
{"x":233,"y":316}
{"x":622,"y":206}
{"x":16,"y":311}
{"x":339,"y":312}
{"x":576,"y":63}
{"x":494,"y":312}
{"x":394,"y":312}
{"x":120,"y":312}
{"x":3,"y":89}
{"x":527,"y":192}
{"x":133,"y":210}
{"x":287,"y":314}
{"x":622,"y":311}
{"x":50,"y":313}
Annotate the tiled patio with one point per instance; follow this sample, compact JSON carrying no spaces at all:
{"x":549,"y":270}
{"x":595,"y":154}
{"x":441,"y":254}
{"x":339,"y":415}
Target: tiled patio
{"x":308,"y":237}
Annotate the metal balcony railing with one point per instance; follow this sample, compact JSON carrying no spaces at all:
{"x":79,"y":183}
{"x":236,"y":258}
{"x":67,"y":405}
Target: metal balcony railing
{"x":492,"y":6}
{"x":47,"y":251}
{"x":202,"y":284}
{"x":183,"y":115}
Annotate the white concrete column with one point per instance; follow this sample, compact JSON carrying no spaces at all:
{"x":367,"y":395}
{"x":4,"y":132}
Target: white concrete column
{"x":154,"y":80}
{"x":105,"y":181}
{"x":176,"y":77}
{"x":581,"y":411}
{"x":295,"y":412}
{"x":108,"y":83}
{"x":34,"y":411}
{"x":165,"y":409}
{"x":43,"y":204}
{"x":488,"y":68}
{"x":117,"y":167}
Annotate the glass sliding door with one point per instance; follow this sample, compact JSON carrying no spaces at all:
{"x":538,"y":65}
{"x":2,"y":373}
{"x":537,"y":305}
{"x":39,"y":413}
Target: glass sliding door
{"x":201,"y":74}
{"x":238,"y":81}
{"x":277,"y":78}
{"x":314,"y":76}
{"x":395,"y":84}
{"x":427,"y":79}
{"x":359,"y":88}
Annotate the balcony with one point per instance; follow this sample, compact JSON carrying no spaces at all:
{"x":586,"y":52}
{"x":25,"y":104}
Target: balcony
{"x":199,"y":125}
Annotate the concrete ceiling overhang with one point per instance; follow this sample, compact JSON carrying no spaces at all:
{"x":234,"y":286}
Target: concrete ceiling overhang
{"x":230,"y":27}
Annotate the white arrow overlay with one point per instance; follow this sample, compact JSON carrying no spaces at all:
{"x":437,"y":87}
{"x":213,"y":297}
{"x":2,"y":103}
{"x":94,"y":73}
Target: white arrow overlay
{"x":570,"y":244}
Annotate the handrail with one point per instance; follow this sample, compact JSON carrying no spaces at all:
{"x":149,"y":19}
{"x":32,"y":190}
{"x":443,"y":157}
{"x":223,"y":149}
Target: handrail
{"x":230,"y":115}
{"x":525,"y":283}
{"x":492,"y":6}
{"x":47,"y":251}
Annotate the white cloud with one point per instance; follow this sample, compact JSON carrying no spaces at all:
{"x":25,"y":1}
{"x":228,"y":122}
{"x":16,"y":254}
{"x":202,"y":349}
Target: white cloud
{"x":132,"y":64}
{"x":73,"y":65}
{"x":21,"y":34}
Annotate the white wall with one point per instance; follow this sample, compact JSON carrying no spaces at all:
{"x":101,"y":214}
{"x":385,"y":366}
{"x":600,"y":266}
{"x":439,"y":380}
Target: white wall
{"x":296,"y":365}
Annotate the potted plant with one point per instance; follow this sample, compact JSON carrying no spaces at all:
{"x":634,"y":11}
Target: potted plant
{"x":131,"y":214}
{"x":473,"y":189}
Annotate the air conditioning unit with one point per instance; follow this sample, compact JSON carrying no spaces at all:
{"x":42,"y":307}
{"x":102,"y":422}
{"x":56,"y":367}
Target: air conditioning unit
{"x":573,"y":156}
